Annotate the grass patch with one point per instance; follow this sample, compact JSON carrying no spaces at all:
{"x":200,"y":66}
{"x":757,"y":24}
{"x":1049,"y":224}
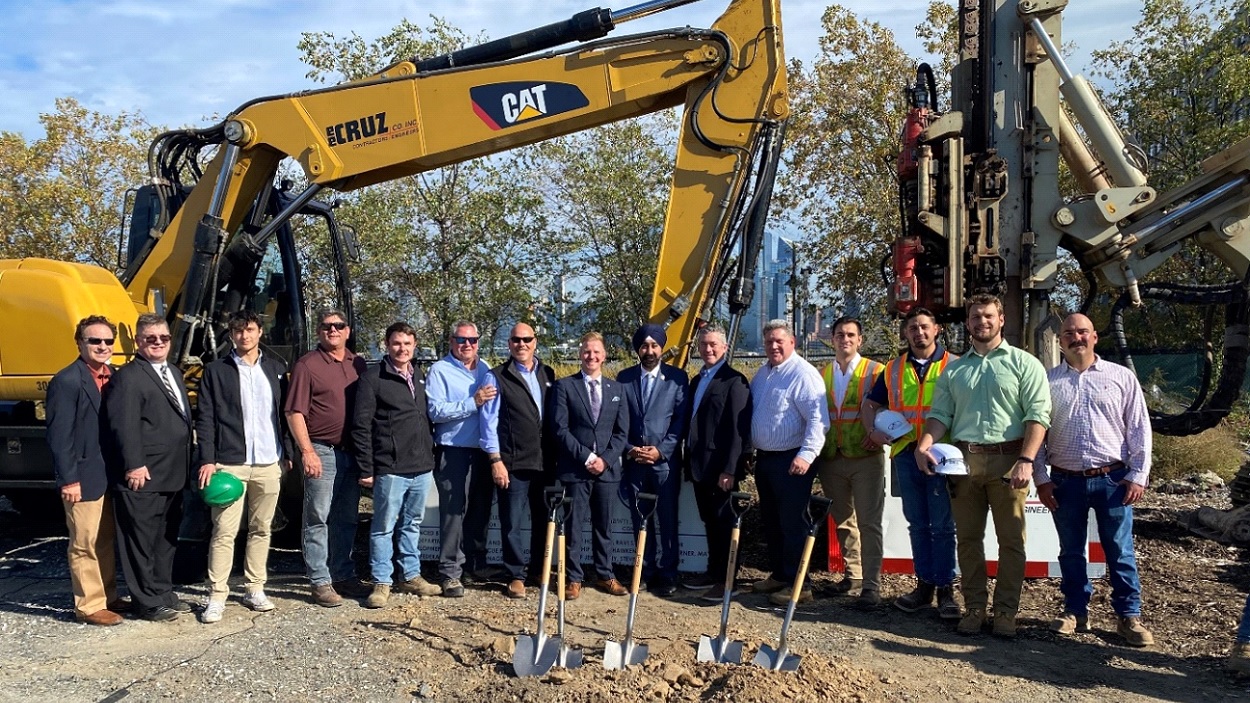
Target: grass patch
{"x":1218,"y":450}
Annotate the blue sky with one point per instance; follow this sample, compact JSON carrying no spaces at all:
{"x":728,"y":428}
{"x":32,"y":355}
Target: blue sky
{"x":182,"y":63}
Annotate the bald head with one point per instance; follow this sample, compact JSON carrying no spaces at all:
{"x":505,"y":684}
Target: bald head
{"x":1077,"y":339}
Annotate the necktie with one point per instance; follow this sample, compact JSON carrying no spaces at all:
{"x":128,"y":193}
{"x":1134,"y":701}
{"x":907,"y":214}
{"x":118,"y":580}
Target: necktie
{"x":596,"y":403}
{"x":169,"y":386}
{"x":648,"y":385}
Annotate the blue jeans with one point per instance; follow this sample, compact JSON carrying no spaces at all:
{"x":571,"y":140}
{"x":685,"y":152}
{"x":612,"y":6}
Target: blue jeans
{"x":927,"y":507}
{"x":331,"y":508}
{"x":666,"y":485}
{"x":398,"y":506}
{"x":1077,"y":495}
{"x":1243,"y":629}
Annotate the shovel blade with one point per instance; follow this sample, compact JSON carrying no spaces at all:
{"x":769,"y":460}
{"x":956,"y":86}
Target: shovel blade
{"x":774,"y":660}
{"x":618,"y":655}
{"x":535,"y":655}
{"x":719,"y":650}
{"x":569,"y":658}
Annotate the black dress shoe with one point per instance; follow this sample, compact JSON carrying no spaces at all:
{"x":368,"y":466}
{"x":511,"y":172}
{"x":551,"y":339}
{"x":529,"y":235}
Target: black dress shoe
{"x":662,"y":587}
{"x":161,"y":613}
{"x":122,"y":605}
{"x":181,"y":606}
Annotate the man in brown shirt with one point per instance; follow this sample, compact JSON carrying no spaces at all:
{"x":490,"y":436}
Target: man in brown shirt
{"x":322,"y":391}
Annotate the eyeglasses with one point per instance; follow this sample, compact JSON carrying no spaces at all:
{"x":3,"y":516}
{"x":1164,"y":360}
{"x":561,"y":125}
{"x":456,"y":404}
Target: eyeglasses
{"x":521,"y":340}
{"x":97,"y":341}
{"x":327,"y":326}
{"x":157,"y":339}
{"x":465,"y":340}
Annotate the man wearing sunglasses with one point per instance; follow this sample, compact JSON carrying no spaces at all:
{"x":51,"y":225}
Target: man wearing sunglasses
{"x":318,"y":408}
{"x":149,"y":420}
{"x":73,"y":412}
{"x":513,"y":439}
{"x":456,"y":388}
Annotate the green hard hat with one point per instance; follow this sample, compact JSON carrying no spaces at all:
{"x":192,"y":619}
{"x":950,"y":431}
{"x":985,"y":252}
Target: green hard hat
{"x":223,"y":489}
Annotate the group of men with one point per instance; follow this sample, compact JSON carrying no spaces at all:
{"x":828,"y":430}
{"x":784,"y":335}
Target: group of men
{"x":125,"y":442}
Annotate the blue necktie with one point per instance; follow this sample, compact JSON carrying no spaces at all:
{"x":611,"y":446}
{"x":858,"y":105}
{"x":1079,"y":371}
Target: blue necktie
{"x":648,"y":385}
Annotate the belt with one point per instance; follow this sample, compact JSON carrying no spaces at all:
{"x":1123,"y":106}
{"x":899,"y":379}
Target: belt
{"x":783,"y":452}
{"x":1096,"y":471}
{"x":1011,"y":446}
{"x":322,"y":442}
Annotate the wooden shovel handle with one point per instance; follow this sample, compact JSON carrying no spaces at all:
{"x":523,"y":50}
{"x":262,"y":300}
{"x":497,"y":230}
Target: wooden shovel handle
{"x":551,"y":538}
{"x":642,"y":547}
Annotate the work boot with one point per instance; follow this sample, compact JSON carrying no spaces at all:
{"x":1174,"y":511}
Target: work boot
{"x":1068,"y":623}
{"x":380,"y":596}
{"x":1239,"y":659}
{"x":1004,"y":625}
{"x":948,"y":607}
{"x":326,"y":597}
{"x":972,"y":622}
{"x":847,"y":586}
{"x":452,"y":588}
{"x":868,"y":599}
{"x":768,"y":585}
{"x":920,"y":597}
{"x":419,"y":587}
{"x":782,"y":597}
{"x":1134,"y":633}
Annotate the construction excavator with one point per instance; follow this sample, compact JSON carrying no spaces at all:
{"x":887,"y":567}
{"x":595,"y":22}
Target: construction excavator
{"x":214,"y":230}
{"x":982,"y":211}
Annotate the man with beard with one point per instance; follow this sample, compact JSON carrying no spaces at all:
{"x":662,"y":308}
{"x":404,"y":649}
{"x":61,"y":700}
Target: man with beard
{"x":1098,"y":450}
{"x":996,"y":404}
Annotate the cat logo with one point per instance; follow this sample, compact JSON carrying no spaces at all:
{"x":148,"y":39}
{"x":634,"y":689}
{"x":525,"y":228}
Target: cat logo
{"x":503,"y":105}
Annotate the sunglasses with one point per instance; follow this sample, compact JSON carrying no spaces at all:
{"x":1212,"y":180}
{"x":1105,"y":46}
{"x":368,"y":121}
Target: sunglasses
{"x":327,"y":326}
{"x":157,"y":339}
{"x":521,"y":340}
{"x":465,"y":340}
{"x":97,"y":341}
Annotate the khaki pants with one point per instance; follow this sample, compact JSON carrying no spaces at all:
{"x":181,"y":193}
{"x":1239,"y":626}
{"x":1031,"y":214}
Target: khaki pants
{"x":857,"y":489}
{"x":261,"y":498}
{"x":972,"y":496}
{"x":92,"y":553}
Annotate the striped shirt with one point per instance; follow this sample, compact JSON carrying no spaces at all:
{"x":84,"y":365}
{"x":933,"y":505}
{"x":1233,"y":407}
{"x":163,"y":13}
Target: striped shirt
{"x":1098,"y":417}
{"x":789,"y":408}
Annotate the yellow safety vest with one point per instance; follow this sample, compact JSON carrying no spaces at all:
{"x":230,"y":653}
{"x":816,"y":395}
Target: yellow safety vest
{"x":846,"y":433}
{"x":912,"y":396}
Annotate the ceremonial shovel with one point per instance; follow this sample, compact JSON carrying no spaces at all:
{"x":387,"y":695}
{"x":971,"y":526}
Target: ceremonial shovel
{"x":625,"y":653}
{"x":568,"y":658}
{"x":780,"y":659}
{"x":536,"y":654}
{"x":721,"y":650}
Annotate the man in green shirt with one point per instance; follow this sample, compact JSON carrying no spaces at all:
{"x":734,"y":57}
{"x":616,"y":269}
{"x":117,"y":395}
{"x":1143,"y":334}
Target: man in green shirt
{"x":996,"y":402}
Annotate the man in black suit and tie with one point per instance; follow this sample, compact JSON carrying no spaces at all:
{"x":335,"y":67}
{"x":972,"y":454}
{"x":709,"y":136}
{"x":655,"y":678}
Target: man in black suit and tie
{"x":718,"y":441}
{"x":73,"y":412}
{"x":149,"y":421}
{"x":656,"y":396}
{"x":589,"y":422}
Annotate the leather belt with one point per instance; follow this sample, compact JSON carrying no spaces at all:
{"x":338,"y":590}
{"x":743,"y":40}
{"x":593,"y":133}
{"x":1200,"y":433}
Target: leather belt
{"x":1096,"y":471}
{"x":1011,"y":446}
{"x":322,"y":442}
{"x":783,"y":452}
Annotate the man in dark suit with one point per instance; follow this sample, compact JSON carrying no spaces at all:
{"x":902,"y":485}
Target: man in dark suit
{"x":656,"y":396}
{"x":589,"y":422}
{"x":718,"y":440}
{"x":514,"y":441}
{"x":73,"y":412}
{"x":150,"y":427}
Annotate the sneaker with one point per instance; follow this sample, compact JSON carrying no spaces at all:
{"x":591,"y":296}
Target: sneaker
{"x":452,"y":588}
{"x":847,"y":586}
{"x":181,"y":606}
{"x":326,"y":597}
{"x":1134,"y":633}
{"x":920,"y":597}
{"x":972,"y":622}
{"x":258,"y":601}
{"x":213,"y":611}
{"x":768,"y":585}
{"x":380,"y":596}
{"x":702,"y":582}
{"x":948,"y":607}
{"x":353,"y":588}
{"x":868,"y":599}
{"x":1069,"y":622}
{"x":1004,"y":625}
{"x":782,"y":597}
{"x":1239,"y":659}
{"x":716,"y":594}
{"x":418,"y":586}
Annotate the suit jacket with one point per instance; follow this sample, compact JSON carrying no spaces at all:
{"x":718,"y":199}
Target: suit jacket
{"x":718,"y":438}
{"x":73,"y":412}
{"x":391,"y":430}
{"x":661,"y":423}
{"x":147,"y":428}
{"x":523,"y":442}
{"x":577,"y":435}
{"x":219,"y":432}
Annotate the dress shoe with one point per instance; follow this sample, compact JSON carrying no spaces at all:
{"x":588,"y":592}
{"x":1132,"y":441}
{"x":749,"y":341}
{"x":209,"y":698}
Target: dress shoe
{"x":353,"y":588}
{"x":515,"y":589}
{"x":716,"y":594}
{"x":702,"y":582}
{"x":161,"y":613}
{"x":662,"y":587}
{"x":122,"y":605}
{"x":182,"y":606}
{"x":104,"y":618}
{"x":612,"y":587}
{"x":573,"y":590}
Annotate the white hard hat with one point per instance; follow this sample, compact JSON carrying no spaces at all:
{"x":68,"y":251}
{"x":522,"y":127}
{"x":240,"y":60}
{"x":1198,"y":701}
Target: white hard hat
{"x":950,"y":461}
{"x":891,"y":424}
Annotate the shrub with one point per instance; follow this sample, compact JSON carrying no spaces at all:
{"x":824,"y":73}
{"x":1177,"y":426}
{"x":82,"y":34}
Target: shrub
{"x":1218,"y":450}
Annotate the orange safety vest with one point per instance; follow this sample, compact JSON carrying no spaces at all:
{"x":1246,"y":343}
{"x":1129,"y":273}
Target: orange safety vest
{"x":846,"y":433}
{"x":912,"y":396}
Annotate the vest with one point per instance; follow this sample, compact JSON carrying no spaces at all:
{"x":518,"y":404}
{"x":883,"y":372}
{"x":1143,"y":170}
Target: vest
{"x":912,"y":396}
{"x":846,"y":433}
{"x":521,"y":441}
